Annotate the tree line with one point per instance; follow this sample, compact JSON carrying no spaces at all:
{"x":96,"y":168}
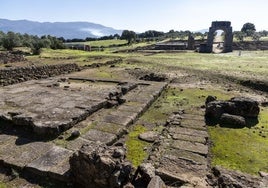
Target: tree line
{"x":249,"y":30}
{"x":11,"y":40}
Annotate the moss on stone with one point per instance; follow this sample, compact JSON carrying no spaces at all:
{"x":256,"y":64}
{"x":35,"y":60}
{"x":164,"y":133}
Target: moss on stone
{"x":135,"y":147}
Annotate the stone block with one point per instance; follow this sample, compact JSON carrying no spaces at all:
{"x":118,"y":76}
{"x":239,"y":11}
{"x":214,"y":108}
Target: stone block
{"x":103,"y":137}
{"x":54,"y":163}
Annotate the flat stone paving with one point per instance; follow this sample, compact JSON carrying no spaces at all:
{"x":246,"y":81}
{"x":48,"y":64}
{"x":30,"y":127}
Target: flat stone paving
{"x":51,"y":106}
{"x":61,"y":105}
{"x":183,"y":150}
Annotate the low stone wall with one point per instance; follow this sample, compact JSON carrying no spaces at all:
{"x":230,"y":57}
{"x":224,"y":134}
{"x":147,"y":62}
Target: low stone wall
{"x":12,"y":75}
{"x":11,"y":57}
{"x":250,"y":45}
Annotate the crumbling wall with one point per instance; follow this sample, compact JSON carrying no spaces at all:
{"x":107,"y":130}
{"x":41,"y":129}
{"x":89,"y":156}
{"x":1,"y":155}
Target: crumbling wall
{"x":12,"y":75}
{"x":11,"y":57}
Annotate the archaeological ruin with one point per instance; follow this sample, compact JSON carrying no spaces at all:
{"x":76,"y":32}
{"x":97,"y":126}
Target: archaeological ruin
{"x":228,"y":37}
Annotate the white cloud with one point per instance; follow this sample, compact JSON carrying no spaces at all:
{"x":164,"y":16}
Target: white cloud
{"x":95,"y":32}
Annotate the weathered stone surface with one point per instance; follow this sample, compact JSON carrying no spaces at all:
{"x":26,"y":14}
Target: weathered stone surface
{"x":185,"y":137}
{"x":18,"y":152}
{"x":227,"y":119}
{"x":193,"y":124}
{"x":44,"y":109}
{"x":149,"y":136}
{"x":54,"y":163}
{"x":11,"y":57}
{"x":188,"y":131}
{"x":117,"y":129}
{"x":77,"y":143}
{"x":146,"y":171}
{"x":228,"y":41}
{"x":236,"y":106}
{"x":228,"y":178}
{"x":156,"y":182}
{"x":180,"y":171}
{"x":191,"y":146}
{"x":192,"y":157}
{"x":94,"y":166}
{"x":103,"y":137}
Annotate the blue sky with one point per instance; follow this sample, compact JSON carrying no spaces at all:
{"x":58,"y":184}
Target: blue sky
{"x":141,"y":15}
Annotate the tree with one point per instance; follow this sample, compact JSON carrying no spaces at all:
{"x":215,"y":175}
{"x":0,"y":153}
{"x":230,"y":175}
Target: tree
{"x":130,"y":36}
{"x":249,"y":29}
{"x":256,"y":36}
{"x":239,"y":35}
{"x":2,"y":34}
{"x":10,"y":40}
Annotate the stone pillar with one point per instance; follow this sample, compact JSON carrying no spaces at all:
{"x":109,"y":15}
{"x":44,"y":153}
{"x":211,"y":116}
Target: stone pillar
{"x":228,"y":42}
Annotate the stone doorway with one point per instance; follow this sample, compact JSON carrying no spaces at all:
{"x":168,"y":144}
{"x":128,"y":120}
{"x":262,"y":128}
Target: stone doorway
{"x":225,"y":26}
{"x":218,"y":41}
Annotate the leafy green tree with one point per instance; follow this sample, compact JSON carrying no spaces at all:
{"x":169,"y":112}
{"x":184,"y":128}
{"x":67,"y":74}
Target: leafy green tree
{"x":2,"y":35}
{"x":55,"y":43}
{"x":263,"y":33}
{"x":239,"y":35}
{"x":249,"y":29}
{"x":10,"y":40}
{"x":130,"y":36}
{"x":256,"y":36}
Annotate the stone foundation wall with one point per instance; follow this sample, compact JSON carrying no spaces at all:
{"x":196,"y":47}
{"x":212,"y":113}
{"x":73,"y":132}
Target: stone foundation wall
{"x":250,"y":45}
{"x":12,"y":75}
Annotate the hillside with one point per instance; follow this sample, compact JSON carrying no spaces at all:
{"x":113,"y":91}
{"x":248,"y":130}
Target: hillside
{"x":68,"y":30}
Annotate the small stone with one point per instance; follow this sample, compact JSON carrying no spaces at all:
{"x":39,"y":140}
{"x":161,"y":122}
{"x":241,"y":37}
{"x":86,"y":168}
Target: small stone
{"x":56,"y":84}
{"x":147,"y":172}
{"x":263,"y":174}
{"x":210,"y":98}
{"x":118,"y":153}
{"x":75,"y":134}
{"x":149,"y":136}
{"x":156,"y":182}
{"x":60,"y":137}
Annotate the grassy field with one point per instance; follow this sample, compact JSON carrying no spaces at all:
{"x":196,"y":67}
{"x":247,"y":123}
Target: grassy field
{"x":98,"y":43}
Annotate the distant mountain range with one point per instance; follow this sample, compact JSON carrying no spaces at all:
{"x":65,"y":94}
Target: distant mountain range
{"x":67,"y":30}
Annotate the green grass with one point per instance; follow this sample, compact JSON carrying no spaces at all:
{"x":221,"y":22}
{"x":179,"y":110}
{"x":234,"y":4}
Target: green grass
{"x":250,"y":63}
{"x":98,"y":43}
{"x":174,"y":99}
{"x":135,"y":147}
{"x":243,"y":149}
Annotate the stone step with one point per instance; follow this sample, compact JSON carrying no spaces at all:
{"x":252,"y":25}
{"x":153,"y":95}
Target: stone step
{"x":194,"y":158}
{"x":188,"y":131}
{"x":190,"y":138}
{"x":174,"y":169}
{"x":101,"y":136}
{"x":54,"y":163}
{"x":194,"y":147}
{"x":18,"y":152}
{"x":110,"y":125}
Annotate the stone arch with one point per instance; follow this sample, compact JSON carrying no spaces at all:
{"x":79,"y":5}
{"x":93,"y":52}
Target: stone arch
{"x":228,"y":40}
